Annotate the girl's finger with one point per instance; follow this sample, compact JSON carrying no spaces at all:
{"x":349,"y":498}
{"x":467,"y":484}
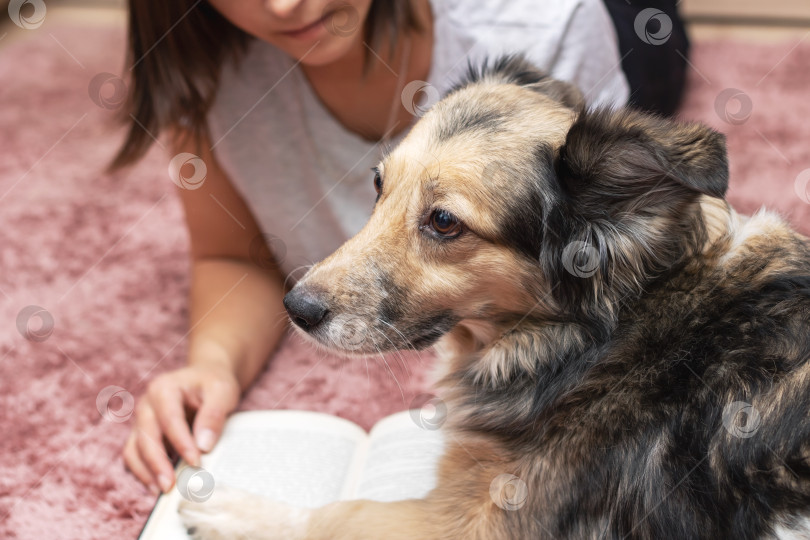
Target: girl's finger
{"x":219,"y":399}
{"x":149,"y":442}
{"x":133,"y":461}
{"x":171,"y":416}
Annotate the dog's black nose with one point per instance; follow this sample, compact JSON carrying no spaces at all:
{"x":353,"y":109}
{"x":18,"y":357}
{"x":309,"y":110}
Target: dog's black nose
{"x":306,"y":308}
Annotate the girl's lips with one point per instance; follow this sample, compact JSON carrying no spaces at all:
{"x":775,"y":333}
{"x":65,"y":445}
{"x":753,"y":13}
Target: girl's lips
{"x":308,"y":31}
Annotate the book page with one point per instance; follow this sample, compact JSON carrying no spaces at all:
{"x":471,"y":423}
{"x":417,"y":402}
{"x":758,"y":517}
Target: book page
{"x":401,"y":460}
{"x":300,"y":458}
{"x":297,"y":457}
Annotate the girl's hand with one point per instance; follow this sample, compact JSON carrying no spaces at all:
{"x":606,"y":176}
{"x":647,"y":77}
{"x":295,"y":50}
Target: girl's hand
{"x":212,"y":391}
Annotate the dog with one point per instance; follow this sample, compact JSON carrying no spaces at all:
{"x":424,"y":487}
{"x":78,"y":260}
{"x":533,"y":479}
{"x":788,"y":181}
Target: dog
{"x":623,"y":355}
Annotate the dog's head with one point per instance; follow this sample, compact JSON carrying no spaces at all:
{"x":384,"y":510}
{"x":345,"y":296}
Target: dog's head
{"x":508,"y":203}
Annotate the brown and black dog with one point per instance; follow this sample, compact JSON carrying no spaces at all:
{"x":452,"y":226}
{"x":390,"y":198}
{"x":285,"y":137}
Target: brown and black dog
{"x":630,"y":351}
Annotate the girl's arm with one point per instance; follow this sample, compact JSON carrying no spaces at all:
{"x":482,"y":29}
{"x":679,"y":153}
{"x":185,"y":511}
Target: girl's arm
{"x":236,"y":319}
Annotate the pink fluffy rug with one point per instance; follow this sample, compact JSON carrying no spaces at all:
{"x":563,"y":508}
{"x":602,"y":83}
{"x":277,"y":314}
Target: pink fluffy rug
{"x":106,"y":257}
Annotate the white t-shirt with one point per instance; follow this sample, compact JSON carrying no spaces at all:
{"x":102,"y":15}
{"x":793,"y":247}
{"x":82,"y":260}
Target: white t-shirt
{"x":307,"y":179}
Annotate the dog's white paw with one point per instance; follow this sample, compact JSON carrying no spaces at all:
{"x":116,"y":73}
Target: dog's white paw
{"x":233,"y":514}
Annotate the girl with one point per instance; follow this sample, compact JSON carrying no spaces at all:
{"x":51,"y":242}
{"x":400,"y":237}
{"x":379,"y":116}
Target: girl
{"x":276,"y":111}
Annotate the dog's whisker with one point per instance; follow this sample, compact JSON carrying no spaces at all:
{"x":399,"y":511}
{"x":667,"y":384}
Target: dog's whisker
{"x":281,"y":319}
{"x":405,"y":340}
{"x":396,"y":352}
{"x":291,"y":273}
{"x":368,"y":375}
{"x":388,"y":367}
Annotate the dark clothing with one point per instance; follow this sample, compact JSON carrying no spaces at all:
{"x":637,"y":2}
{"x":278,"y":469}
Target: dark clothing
{"x":654,"y":47}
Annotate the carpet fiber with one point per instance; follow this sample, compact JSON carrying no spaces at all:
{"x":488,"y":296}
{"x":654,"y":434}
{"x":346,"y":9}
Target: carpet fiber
{"x":106,"y":257}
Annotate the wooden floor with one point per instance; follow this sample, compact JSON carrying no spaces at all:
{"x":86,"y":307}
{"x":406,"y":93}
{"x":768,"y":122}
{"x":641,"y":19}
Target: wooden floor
{"x":85,"y":12}
{"x":748,"y":12}
{"x":750,"y":20}
{"x":755,"y":20}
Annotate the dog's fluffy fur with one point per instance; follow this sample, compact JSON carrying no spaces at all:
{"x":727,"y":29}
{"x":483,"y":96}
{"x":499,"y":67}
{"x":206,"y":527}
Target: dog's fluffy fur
{"x":612,"y":333}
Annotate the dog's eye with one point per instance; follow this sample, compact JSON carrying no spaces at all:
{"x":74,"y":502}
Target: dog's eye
{"x":445,"y":224}
{"x":377,"y":182}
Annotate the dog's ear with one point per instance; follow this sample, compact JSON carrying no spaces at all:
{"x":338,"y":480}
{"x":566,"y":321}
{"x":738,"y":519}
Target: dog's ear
{"x":566,"y":93}
{"x":619,"y":161}
{"x":516,"y":69}
{"x":629,"y":186}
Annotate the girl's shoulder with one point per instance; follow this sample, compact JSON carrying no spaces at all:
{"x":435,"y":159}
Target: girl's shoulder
{"x":510,"y":13}
{"x":573,"y":40}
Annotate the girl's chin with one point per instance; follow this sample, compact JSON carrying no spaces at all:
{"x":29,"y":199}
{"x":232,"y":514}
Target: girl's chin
{"x":320,"y":52}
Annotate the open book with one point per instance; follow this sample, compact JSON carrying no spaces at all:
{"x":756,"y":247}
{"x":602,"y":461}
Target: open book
{"x":307,"y":459}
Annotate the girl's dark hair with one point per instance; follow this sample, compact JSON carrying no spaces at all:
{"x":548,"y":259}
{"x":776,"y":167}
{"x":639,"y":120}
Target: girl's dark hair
{"x":175,"y":52}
